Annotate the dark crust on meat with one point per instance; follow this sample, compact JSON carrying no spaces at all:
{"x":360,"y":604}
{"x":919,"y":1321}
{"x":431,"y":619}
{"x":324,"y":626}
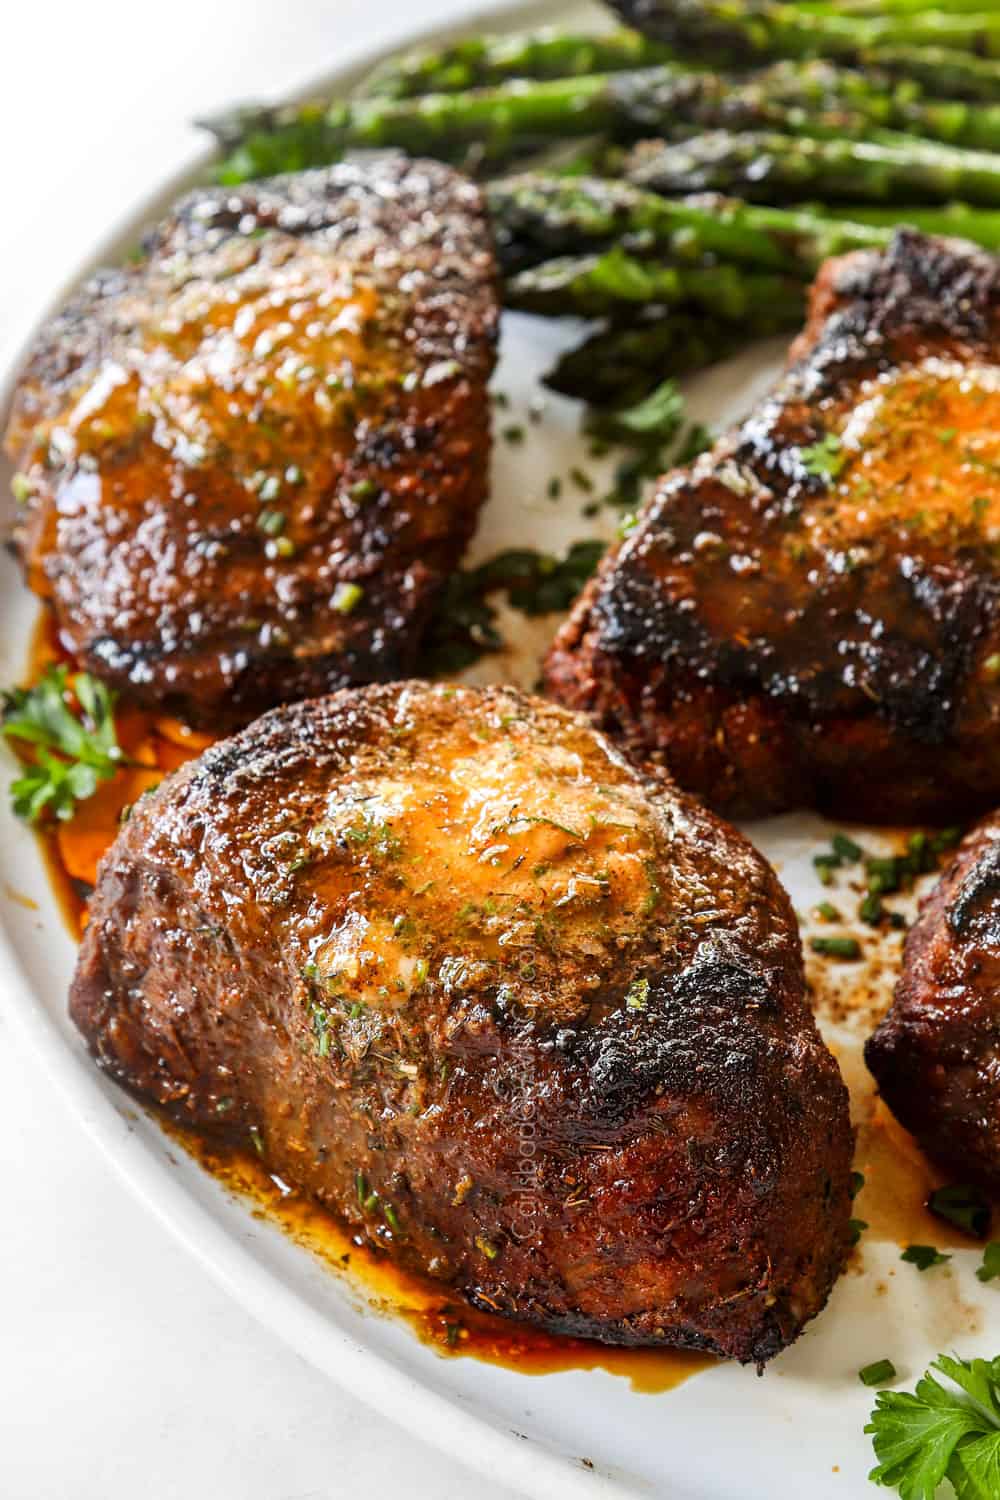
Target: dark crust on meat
{"x":687,"y":1181}
{"x":764,"y":631}
{"x":936,"y":1055}
{"x":147,"y":523}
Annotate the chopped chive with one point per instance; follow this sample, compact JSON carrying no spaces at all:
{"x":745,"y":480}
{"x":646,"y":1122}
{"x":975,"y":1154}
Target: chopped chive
{"x":391,"y":1218}
{"x":828,"y":911}
{"x":485,"y":1248}
{"x":257,"y":1139}
{"x":582,"y":480}
{"x":554,"y":490}
{"x":878,"y":1373}
{"x":855,"y":1229}
{"x":836,"y":947}
{"x":871,"y":909}
{"x":857,"y":1183}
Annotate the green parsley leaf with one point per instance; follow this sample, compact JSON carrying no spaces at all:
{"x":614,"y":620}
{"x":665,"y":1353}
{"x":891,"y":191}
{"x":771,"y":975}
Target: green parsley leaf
{"x":659,"y":416}
{"x":923,"y":1257}
{"x":990,"y":1267}
{"x":941,"y":1433}
{"x":824,"y":459}
{"x":74,"y":751}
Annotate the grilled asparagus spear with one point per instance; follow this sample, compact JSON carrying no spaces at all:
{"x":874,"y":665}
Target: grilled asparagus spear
{"x":938,"y":72}
{"x":539,"y":216}
{"x":501,"y":122}
{"x":482,"y":61}
{"x":593,"y":286}
{"x":729,"y":31}
{"x":769,"y":166}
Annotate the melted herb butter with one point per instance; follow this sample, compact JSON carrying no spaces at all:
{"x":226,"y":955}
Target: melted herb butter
{"x":921,"y":448}
{"x":499,"y":866}
{"x":257,"y":371}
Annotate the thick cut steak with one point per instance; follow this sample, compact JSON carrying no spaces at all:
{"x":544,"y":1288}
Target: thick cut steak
{"x":809,"y":613}
{"x":526,"y":1017}
{"x":249,"y":459}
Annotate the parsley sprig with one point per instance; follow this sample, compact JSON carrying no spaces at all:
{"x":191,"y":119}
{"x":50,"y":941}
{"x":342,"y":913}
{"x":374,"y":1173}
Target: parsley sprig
{"x":70,"y":723}
{"x":940,"y":1432}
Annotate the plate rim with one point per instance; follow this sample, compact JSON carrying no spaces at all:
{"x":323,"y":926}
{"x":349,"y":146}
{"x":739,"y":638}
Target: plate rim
{"x":434,"y":1418}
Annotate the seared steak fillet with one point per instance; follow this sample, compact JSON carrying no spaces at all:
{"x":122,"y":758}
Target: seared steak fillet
{"x":524,"y":1016}
{"x":809,"y":613}
{"x":250,"y":459}
{"x":935,"y":1056}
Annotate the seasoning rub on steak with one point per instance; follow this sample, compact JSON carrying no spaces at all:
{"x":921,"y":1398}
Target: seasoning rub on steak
{"x":809,"y":614}
{"x":248,"y":460}
{"x":523,"y":1015}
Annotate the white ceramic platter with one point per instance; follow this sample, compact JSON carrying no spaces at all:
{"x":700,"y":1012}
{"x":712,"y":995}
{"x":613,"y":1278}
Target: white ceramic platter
{"x":723,"y":1433}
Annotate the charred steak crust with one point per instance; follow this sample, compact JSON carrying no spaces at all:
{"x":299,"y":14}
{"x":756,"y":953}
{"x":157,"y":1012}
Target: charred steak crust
{"x":934,"y":1055}
{"x":524,"y":1016}
{"x":809,"y":614}
{"x":251,"y":458}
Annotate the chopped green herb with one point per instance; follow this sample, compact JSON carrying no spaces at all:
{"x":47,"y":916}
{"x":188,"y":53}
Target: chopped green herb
{"x":485,"y":1248}
{"x":637,"y":994}
{"x":360,"y":1187}
{"x":582,"y":480}
{"x":824,"y":459}
{"x":20,"y":488}
{"x":870,"y":909}
{"x":347,"y":597}
{"x":964,"y":1206}
{"x":554,"y":487}
{"x":271,"y":522}
{"x":363,"y":489}
{"x":281,"y":546}
{"x":824,"y":865}
{"x":857,"y":1183}
{"x":257,"y":1139}
{"x":990,"y":1268}
{"x":924,"y":1257}
{"x":879,"y":1373}
{"x":391,"y":1218}
{"x":85,"y":742}
{"x":855,"y":1229}
{"x":846,"y":848}
{"x":836,"y":947}
{"x":828,"y":911}
{"x":513,"y":434}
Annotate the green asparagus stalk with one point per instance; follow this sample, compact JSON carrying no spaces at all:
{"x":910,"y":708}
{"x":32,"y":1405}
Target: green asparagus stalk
{"x":939,"y":73}
{"x":483,"y":61}
{"x":541,"y":216}
{"x":499,"y":123}
{"x":621,"y":364}
{"x":728,"y":31}
{"x":773,"y":166}
{"x":980,"y":225}
{"x":594,"y":286}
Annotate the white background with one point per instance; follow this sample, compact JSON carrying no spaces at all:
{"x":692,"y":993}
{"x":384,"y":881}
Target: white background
{"x":124,"y":1372}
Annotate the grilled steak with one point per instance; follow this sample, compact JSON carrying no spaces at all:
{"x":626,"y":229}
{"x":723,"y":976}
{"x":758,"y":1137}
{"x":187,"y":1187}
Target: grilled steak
{"x":524,"y":1016}
{"x":935,"y":1054}
{"x":249,"y":460}
{"x":809,"y":613}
